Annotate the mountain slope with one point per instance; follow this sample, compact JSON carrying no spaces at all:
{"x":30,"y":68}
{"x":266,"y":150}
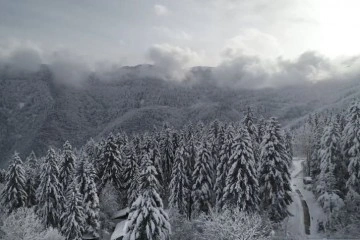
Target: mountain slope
{"x":36,"y":111}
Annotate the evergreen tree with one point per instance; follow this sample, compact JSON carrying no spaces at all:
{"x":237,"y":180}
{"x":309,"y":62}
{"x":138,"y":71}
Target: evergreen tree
{"x":147,"y":218}
{"x":242,"y":188}
{"x":223,"y":167}
{"x":274,"y":173}
{"x":330,"y":155}
{"x":92,"y":150}
{"x":315,"y":155}
{"x":167,"y":154}
{"x":14,"y":194}
{"x":179,"y":184}
{"x":351,"y":146}
{"x":189,"y":160}
{"x":73,"y":217}
{"x":32,"y":178}
{"x":249,"y":123}
{"x":110,"y":165}
{"x":49,"y":192}
{"x":67,"y":166}
{"x":86,"y":176}
{"x":131,"y":174}
{"x":202,"y":179}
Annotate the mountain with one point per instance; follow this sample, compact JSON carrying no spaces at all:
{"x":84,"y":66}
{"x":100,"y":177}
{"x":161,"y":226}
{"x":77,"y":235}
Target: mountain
{"x":37,"y":111}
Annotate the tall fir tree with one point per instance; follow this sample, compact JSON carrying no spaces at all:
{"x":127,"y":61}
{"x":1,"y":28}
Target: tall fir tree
{"x":242,"y":188}
{"x":274,"y":173}
{"x":110,"y":165}
{"x":223,"y":167}
{"x":14,"y":194}
{"x":351,"y":146}
{"x":49,"y":191}
{"x":131,"y":173}
{"x":179,"y":185}
{"x":85,"y":178}
{"x":249,"y":123}
{"x":32,"y":167}
{"x":202,"y":179}
{"x":67,"y":166}
{"x":167,"y":154}
{"x":147,"y":218}
{"x":73,"y":216}
{"x":189,"y":159}
{"x":330,"y":155}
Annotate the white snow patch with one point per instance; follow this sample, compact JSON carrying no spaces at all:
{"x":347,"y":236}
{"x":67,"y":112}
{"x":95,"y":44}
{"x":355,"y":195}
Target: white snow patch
{"x":119,"y":230}
{"x":295,"y":224}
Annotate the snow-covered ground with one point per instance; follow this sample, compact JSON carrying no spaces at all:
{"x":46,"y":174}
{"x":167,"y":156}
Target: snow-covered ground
{"x":295,"y":226}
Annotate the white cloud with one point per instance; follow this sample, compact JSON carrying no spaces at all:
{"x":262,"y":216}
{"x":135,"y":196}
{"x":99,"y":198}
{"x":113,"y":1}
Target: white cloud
{"x":252,"y":42}
{"x":174,"y":61}
{"x":161,"y":10}
{"x":21,"y":55}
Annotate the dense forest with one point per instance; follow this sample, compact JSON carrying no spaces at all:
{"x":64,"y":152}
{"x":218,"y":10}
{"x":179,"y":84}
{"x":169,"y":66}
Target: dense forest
{"x":198,"y":182}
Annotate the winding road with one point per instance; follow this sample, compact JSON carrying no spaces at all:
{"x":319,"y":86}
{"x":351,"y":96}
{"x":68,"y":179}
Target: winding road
{"x":306,"y":212}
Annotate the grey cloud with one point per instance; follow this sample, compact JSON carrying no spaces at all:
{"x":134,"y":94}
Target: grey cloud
{"x":23,"y":59}
{"x":173,"y":61}
{"x":69,"y":69}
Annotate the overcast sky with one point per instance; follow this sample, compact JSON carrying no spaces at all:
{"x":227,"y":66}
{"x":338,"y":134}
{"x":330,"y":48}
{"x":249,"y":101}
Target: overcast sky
{"x":259,"y":42}
{"x":125,"y":30}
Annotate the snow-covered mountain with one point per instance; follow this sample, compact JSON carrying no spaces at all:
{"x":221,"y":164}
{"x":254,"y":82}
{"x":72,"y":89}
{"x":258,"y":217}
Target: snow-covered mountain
{"x":37,"y":111}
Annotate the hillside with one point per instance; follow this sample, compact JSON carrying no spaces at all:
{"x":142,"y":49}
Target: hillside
{"x":36,"y":111}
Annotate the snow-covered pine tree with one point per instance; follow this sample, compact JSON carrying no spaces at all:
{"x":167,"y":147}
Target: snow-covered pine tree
{"x":189,"y":160}
{"x":179,"y":184}
{"x":85,"y":177}
{"x":315,"y":155}
{"x":351,"y":146}
{"x":289,"y":143}
{"x":91,"y":149}
{"x":167,"y":154}
{"x":202,"y":186}
{"x":147,"y":218}
{"x":213,"y":135}
{"x":216,"y":139}
{"x":32,"y":178}
{"x":14,"y":194}
{"x":242,"y":188}
{"x":73,"y":217}
{"x":224,"y":166}
{"x":110,"y":165}
{"x":261,"y":126}
{"x":249,"y":123}
{"x":274,"y":173}
{"x":121,"y":139}
{"x":330,"y":155}
{"x":131,"y":173}
{"x":67,"y":166}
{"x":49,"y":192}
{"x":327,"y":187}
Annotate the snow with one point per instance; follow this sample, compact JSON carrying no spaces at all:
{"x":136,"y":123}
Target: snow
{"x":88,"y":236}
{"x":119,"y":230}
{"x":121,"y":214}
{"x":295,"y":227}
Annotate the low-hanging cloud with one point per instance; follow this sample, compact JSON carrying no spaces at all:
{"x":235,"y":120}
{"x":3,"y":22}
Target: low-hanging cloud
{"x":173,"y":61}
{"x":69,"y":69}
{"x":66,"y":67}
